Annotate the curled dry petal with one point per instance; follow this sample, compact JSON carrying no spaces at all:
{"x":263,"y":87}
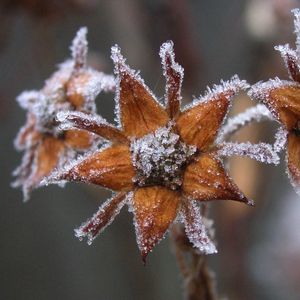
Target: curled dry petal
{"x":111,"y":168}
{"x":102,"y":218}
{"x":282,"y":99}
{"x":47,"y":158}
{"x":293,"y":158}
{"x":91,"y":123}
{"x":173,"y":73}
{"x":194,"y":227}
{"x":140,"y":113}
{"x":290,"y":59}
{"x":27,"y":135}
{"x":205,"y":179}
{"x":155,"y":208}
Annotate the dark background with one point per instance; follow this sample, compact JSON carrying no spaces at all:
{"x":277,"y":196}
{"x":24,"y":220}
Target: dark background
{"x":259,"y":248}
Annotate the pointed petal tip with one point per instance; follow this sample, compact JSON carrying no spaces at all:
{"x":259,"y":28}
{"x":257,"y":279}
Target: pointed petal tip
{"x":166,"y":47}
{"x":249,"y":202}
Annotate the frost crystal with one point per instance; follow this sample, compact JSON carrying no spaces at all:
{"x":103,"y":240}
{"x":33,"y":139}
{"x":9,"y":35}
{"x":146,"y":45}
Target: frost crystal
{"x":101,"y":219}
{"x":261,"y":92}
{"x":296,"y":13}
{"x":227,"y":88}
{"x":195,"y":228}
{"x":280,"y":139}
{"x":79,"y":48}
{"x":261,"y":152}
{"x":158,"y":158}
{"x":253,"y":114}
{"x":290,"y":59}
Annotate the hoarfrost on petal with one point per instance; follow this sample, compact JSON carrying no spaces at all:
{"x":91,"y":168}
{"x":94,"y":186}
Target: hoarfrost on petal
{"x":195,"y":228}
{"x":280,"y":139}
{"x":79,"y":48}
{"x":252,"y":114}
{"x":28,"y":98}
{"x":261,"y":152}
{"x":102,"y":218}
{"x":296,"y":13}
{"x":290,"y":59}
{"x":173,"y":73}
{"x":261,"y":91}
{"x":228,"y":88}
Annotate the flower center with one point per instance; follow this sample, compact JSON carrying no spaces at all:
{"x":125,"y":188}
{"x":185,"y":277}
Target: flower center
{"x":160,"y":157}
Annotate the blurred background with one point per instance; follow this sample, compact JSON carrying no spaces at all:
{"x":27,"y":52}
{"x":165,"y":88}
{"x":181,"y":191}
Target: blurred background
{"x":40,"y":258}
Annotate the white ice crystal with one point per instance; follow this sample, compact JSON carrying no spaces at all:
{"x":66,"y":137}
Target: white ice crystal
{"x":296,"y":13}
{"x":100,"y":220}
{"x":68,"y":120}
{"x":261,"y":152}
{"x":228,"y":88}
{"x":28,"y":98}
{"x":280,"y":139}
{"x":79,"y":48}
{"x":170,"y":66}
{"x":195,"y":228}
{"x":261,"y":91}
{"x":290,"y":59}
{"x":158,"y":157}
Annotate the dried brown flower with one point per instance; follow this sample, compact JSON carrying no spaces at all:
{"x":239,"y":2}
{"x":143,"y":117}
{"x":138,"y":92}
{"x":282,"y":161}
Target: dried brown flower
{"x":282,"y":97}
{"x":73,"y":87}
{"x":161,"y":161}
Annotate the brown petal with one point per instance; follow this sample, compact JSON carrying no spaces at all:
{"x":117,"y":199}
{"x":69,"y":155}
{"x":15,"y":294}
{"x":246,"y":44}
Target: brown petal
{"x":139,"y":112}
{"x":91,"y":123}
{"x":78,"y":139}
{"x":282,"y":99}
{"x":173,"y":73}
{"x":47,"y":157}
{"x":195,"y":228}
{"x":286,"y":103}
{"x":291,"y":61}
{"x":27,"y":135}
{"x":293,"y":156}
{"x":111,"y":168}
{"x":199,"y":125}
{"x":102,"y":218}
{"x":155,"y":209}
{"x":77,"y":89}
{"x":205,"y":179}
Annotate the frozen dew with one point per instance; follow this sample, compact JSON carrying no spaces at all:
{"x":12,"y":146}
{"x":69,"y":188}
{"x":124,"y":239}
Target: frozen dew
{"x":261,"y":152}
{"x":195,"y":229}
{"x":159,"y":157}
{"x":280,"y":139}
{"x":79,"y":48}
{"x":296,"y":13}
{"x":226,"y":88}
{"x":290,"y":59}
{"x":261,"y":92}
{"x":101,"y":219}
{"x":28,"y":98}
{"x":167,"y":51}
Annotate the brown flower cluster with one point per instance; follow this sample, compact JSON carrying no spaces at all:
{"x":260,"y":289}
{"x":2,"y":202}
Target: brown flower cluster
{"x":282,"y":98}
{"x":73,"y":87}
{"x":161,"y":160}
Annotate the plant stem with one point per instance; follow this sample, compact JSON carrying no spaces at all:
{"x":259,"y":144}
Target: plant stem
{"x":198,"y":280}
